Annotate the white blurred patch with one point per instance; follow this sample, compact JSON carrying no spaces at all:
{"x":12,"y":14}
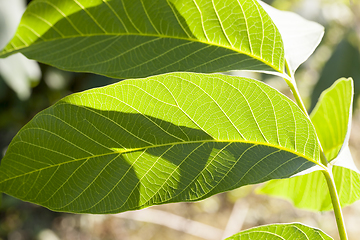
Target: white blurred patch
{"x":337,"y":12}
{"x":307,"y":171}
{"x":300,"y":36}
{"x":47,"y":234}
{"x":344,"y":159}
{"x":17,"y":71}
{"x":56,"y":79}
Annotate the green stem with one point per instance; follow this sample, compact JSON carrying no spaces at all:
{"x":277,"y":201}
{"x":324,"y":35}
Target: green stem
{"x":292,"y":84}
{"x":336,"y":203}
{"x":328,"y":172}
{"x":300,"y":103}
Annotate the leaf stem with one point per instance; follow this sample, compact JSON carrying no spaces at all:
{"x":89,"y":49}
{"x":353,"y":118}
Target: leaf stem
{"x":328,"y":172}
{"x":292,"y":84}
{"x":293,"y":87}
{"x":336,"y":203}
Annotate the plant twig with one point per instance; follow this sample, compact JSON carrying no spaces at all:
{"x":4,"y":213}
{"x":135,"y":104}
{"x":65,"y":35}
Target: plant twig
{"x":328,"y":171}
{"x":336,"y":203}
{"x":236,"y":218}
{"x":292,"y":84}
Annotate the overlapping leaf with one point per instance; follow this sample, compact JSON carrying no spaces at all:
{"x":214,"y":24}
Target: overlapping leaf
{"x":331,"y":118}
{"x":136,"y":38}
{"x":282,"y":232}
{"x":168,"y":138}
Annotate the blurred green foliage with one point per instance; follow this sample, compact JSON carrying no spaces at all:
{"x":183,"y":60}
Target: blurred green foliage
{"x":344,"y":62}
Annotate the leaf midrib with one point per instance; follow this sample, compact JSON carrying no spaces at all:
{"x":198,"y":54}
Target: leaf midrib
{"x":4,"y":52}
{"x":115,"y":151}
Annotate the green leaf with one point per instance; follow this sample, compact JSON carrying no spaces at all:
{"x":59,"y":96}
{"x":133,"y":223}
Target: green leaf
{"x":291,"y":231}
{"x":300,"y":36}
{"x":310,"y":191}
{"x":168,"y":138}
{"x":332,"y":119}
{"x":135,"y":38}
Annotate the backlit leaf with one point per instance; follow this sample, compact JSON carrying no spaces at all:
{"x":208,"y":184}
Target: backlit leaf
{"x":167,"y":138}
{"x":332,"y":120}
{"x":332,"y":117}
{"x":135,"y":38}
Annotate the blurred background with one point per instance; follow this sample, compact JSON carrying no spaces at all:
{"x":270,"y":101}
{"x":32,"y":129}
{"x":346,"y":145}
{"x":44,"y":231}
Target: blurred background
{"x":27,"y":87}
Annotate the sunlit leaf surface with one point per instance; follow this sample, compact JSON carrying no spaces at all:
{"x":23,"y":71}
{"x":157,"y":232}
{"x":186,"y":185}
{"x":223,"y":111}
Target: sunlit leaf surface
{"x":331,"y":118}
{"x":168,"y":138}
{"x":135,"y":38}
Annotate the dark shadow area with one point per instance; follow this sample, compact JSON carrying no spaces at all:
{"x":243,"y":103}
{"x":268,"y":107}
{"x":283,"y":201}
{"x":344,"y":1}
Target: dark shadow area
{"x":19,"y":218}
{"x":344,"y":62}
